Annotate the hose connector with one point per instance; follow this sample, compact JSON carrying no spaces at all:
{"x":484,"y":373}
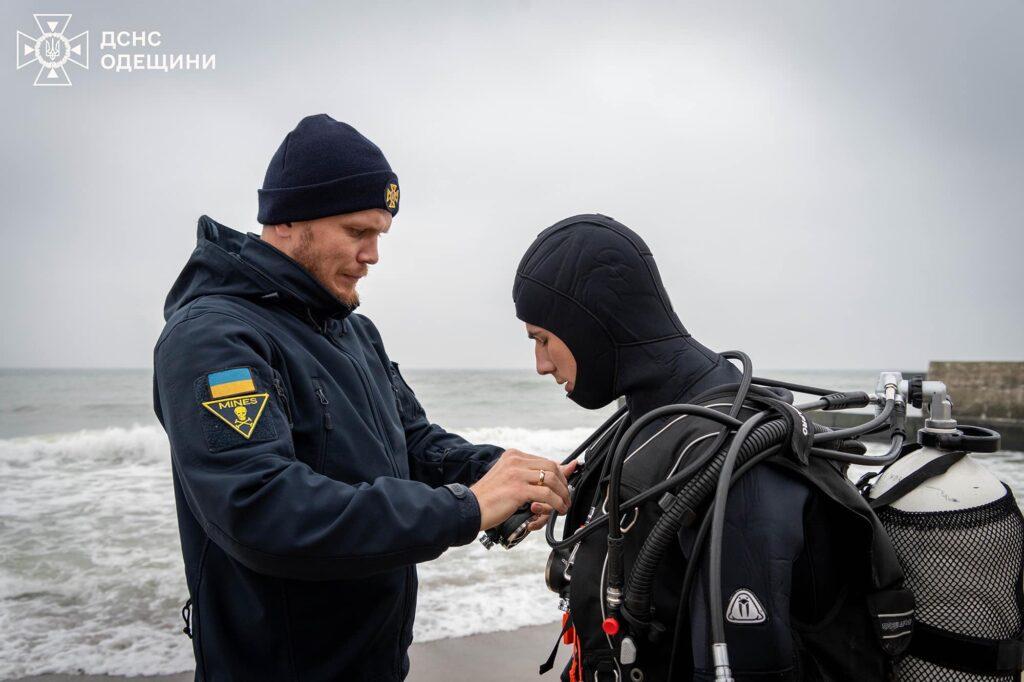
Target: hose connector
{"x":843,"y":401}
{"x":720,"y":657}
{"x":888,"y":385}
{"x":613,"y":598}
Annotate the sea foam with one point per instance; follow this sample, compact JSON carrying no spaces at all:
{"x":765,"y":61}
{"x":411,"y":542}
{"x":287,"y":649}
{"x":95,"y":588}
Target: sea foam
{"x":91,"y":577}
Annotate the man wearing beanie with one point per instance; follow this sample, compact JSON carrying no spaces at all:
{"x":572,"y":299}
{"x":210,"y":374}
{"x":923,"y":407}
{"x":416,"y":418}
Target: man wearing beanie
{"x":307,"y":477}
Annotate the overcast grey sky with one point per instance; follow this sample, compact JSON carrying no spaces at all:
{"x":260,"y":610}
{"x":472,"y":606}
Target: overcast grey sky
{"x":824,"y":184}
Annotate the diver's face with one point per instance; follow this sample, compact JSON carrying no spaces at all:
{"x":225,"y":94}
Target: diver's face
{"x":553,"y":356}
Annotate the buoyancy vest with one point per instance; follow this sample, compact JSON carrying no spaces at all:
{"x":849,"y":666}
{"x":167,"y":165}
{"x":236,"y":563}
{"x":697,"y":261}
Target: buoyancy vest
{"x":809,"y":549}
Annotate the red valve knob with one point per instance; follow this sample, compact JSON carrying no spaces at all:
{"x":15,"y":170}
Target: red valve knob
{"x":610,"y":626}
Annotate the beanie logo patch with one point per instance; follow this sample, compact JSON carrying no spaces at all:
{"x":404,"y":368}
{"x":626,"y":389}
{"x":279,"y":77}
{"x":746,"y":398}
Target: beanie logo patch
{"x":391,"y":196}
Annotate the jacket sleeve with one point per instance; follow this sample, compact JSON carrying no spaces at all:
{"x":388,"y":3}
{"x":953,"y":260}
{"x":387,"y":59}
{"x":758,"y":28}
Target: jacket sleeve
{"x":437,"y":457}
{"x":260,"y":504}
{"x":763,"y":540}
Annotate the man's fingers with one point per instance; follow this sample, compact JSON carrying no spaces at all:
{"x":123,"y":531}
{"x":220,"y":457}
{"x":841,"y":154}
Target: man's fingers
{"x":553,"y":469}
{"x":539,"y":522}
{"x":535,"y":462}
{"x":542,"y":493}
{"x":553,"y":483}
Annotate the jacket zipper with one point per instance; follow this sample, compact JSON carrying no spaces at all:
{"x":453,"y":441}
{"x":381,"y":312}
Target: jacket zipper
{"x":328,"y":425}
{"x":377,"y":420}
{"x":283,"y":397}
{"x":379,"y":423}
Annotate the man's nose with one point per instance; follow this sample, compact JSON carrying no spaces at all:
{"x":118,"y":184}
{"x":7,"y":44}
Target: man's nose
{"x":368,"y":254}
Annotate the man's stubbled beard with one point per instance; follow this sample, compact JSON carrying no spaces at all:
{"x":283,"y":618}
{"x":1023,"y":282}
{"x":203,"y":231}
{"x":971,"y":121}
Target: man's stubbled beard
{"x":306,"y":256}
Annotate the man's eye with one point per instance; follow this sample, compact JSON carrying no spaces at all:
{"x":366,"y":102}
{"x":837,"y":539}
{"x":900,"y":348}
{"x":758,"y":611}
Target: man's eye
{"x":356,"y":233}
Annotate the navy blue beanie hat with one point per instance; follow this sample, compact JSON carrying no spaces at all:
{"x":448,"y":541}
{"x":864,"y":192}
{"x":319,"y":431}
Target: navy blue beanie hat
{"x":325,"y":167}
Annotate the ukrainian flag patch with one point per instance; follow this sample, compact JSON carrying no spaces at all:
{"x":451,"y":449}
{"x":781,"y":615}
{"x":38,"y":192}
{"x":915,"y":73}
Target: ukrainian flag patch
{"x":235,"y":401}
{"x":231,"y":382}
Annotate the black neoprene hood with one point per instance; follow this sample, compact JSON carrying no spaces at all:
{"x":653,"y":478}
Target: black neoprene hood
{"x":592,"y":282}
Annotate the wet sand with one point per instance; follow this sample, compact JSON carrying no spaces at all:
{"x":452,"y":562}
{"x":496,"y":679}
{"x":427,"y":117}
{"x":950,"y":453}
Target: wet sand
{"x":494,"y":656}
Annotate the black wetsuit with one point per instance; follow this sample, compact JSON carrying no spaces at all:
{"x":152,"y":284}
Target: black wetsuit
{"x":796,"y":566}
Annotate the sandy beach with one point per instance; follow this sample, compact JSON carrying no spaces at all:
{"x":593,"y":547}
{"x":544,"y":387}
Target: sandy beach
{"x":494,"y":656}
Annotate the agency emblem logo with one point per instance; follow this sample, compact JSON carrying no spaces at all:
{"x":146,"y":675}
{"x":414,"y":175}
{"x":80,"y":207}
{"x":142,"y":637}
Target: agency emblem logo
{"x":52,"y":49}
{"x":391,"y":196}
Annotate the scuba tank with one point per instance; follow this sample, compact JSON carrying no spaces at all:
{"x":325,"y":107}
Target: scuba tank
{"x":959,"y":536}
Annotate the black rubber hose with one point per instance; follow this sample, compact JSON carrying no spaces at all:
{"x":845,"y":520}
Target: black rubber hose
{"x":614,"y":567}
{"x":895,"y":447}
{"x":718,"y":519}
{"x":695,"y":552}
{"x":680,"y":510}
{"x":674,"y":481}
{"x":842,"y":434}
{"x":599,"y":431}
{"x":698,"y":544}
{"x":606,"y":430}
{"x":638,"y":595}
{"x":898,"y":435}
{"x":623,"y":445}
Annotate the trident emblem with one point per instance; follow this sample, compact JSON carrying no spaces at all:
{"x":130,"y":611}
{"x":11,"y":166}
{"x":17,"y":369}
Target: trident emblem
{"x":52,"y":49}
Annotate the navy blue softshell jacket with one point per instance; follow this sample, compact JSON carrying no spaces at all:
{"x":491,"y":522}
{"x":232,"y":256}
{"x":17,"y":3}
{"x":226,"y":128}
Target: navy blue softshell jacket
{"x":302,"y":515}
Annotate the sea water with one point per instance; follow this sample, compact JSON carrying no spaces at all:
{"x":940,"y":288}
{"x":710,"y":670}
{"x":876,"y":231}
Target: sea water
{"x":91,"y":576}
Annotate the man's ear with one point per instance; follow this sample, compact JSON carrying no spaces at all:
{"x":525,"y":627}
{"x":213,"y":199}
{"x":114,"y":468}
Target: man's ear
{"x":281,"y":231}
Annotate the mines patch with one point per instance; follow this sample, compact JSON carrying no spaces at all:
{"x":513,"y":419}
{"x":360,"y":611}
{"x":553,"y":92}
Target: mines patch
{"x":241,"y":413}
{"x":231,"y":382}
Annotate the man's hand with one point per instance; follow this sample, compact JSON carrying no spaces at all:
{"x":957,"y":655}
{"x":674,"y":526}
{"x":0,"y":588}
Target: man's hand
{"x":541,"y":511}
{"x":515,"y":479}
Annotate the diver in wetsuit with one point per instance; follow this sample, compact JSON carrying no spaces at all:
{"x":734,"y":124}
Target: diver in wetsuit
{"x":796,"y":576}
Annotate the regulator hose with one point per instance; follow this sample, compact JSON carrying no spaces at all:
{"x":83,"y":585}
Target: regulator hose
{"x":639,"y":587}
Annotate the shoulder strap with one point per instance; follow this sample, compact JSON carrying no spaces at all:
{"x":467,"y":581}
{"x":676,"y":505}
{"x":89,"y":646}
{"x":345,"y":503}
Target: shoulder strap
{"x":967,"y":654}
{"x":550,"y":662}
{"x":936,"y":467}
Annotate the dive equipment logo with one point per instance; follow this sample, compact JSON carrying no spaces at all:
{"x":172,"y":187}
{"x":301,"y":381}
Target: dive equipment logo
{"x":53,"y":50}
{"x":745,"y":609}
{"x":391,"y":196}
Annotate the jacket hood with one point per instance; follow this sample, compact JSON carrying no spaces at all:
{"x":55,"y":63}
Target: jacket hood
{"x":228,"y":263}
{"x":594,"y":283}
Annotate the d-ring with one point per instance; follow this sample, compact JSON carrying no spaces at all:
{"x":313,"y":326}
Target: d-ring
{"x":540,"y":481}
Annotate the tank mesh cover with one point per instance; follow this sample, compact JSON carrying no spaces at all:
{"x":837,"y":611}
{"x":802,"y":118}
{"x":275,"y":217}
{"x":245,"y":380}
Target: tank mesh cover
{"x":964,"y":568}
